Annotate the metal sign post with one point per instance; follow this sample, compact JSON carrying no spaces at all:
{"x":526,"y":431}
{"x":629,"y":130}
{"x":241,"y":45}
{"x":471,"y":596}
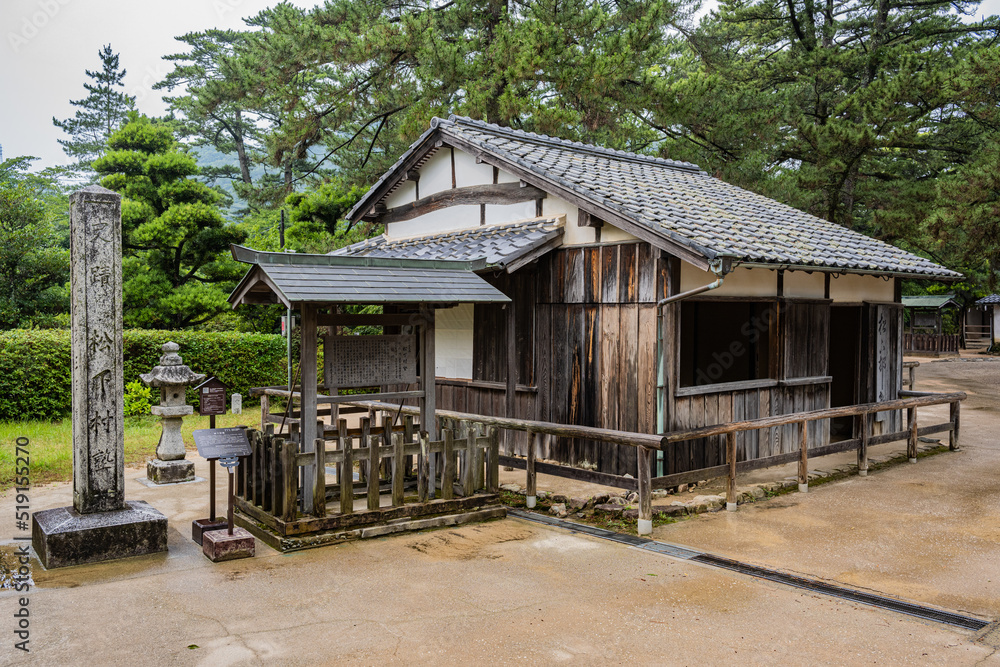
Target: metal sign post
{"x":227,"y":445}
{"x":230,"y":463}
{"x":211,"y":402}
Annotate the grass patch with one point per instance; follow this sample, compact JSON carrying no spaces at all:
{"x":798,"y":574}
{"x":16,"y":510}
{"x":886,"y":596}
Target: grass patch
{"x":51,"y":443}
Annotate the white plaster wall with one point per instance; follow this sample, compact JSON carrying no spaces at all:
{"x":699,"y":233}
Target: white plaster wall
{"x":741,"y":282}
{"x":853,"y":288}
{"x":468,"y":173}
{"x":443,"y":220}
{"x":611,"y":234}
{"x":996,"y":322}
{"x":406,"y":193}
{"x":505,"y":177}
{"x":435,"y":175}
{"x":453,"y":342}
{"x":497,"y":215}
{"x":804,"y":285}
{"x":574,"y":234}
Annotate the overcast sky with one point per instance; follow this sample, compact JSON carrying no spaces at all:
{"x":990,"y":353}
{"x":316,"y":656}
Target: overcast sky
{"x":45,"y":46}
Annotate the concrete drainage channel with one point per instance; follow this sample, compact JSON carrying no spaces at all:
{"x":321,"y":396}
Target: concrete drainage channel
{"x":804,"y":583}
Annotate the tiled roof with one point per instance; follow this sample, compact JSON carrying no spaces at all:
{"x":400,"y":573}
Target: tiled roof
{"x":297,"y":278}
{"x":499,"y":245}
{"x":929,"y":301}
{"x":674,"y":200}
{"x":992,"y":298}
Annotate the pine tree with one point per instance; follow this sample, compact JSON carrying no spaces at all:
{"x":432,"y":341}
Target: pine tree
{"x":176,"y":266}
{"x":98,"y":115}
{"x":345,"y":87}
{"x":844,"y":108}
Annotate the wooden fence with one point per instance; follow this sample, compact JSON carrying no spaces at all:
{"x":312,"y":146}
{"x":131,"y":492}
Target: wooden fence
{"x":393,"y":458}
{"x":647,"y":445}
{"x":910,"y":379}
{"x":931,"y":343}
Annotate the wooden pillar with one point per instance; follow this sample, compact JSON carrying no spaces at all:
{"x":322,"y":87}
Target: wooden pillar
{"x":478,"y":457}
{"x":448,"y":465}
{"x":291,"y":483}
{"x":469,"y":474}
{"x":319,"y":490}
{"x":531,"y":481}
{"x":427,"y":408}
{"x":511,"y":394}
{"x":346,"y":469}
{"x":731,"y":478}
{"x":804,"y":457}
{"x":428,"y":420}
{"x":423,"y":469}
{"x":645,"y":462}
{"x":370,"y":440}
{"x":493,"y":465}
{"x":398,"y":469}
{"x":911,"y":441}
{"x":913,"y":378}
{"x":955,"y":418}
{"x":307,"y":408}
{"x":265,"y":410}
{"x":863,"y":429}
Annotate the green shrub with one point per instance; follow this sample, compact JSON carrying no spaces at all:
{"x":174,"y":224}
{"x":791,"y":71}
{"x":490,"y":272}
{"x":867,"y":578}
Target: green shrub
{"x":138,"y":399}
{"x":35,"y":365}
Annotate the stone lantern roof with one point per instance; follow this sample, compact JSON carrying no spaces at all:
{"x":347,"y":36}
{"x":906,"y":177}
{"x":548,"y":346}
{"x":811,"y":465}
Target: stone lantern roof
{"x":171,"y":370}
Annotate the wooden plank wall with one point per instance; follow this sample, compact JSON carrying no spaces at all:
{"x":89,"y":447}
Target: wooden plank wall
{"x":596,"y":352}
{"x":801,"y":329}
{"x":587,"y":339}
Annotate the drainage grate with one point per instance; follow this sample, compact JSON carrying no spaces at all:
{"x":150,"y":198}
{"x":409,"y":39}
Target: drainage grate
{"x":991,"y":637}
{"x":671,"y":550}
{"x":870,"y":599}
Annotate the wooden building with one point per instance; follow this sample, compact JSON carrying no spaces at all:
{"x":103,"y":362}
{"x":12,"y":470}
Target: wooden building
{"x":790,"y":312}
{"x":981,"y":322}
{"x":924,"y":326}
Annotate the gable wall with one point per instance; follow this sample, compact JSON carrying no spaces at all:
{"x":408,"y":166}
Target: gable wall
{"x":436,"y":176}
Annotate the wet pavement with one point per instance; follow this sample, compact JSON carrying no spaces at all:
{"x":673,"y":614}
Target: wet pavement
{"x":510,"y":591}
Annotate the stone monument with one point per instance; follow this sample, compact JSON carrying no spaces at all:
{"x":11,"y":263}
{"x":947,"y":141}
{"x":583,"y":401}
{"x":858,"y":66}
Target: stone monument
{"x":171,"y":377}
{"x":101,"y":525}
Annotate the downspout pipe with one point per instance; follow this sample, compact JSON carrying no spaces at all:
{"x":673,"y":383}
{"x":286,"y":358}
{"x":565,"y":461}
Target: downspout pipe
{"x":720,"y":267}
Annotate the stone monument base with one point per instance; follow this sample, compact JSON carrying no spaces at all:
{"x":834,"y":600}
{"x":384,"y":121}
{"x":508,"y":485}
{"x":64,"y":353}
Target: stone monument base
{"x":170,"y":472}
{"x":63,"y":536}
{"x":201,"y":526}
{"x":219,"y":545}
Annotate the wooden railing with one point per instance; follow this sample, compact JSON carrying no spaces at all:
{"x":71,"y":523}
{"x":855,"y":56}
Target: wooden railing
{"x":862,"y":414}
{"x":910,"y":380}
{"x":392,"y":458}
{"x":648,"y":444}
{"x":929,"y":342}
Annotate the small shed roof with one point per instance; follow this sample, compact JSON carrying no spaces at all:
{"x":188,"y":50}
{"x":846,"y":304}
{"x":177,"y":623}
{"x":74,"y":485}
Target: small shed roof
{"x":508,"y":246}
{"x":932,"y":301}
{"x":986,"y":300}
{"x":296,"y":278}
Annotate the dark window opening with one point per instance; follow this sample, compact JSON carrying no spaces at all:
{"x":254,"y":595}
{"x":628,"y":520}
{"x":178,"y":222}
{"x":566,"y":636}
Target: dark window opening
{"x":724,"y":341}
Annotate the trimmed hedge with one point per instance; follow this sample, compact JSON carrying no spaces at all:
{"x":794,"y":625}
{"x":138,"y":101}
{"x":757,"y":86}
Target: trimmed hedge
{"x":35,"y":364}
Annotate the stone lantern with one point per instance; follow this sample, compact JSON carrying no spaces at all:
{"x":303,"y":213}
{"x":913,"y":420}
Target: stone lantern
{"x":171,"y":377}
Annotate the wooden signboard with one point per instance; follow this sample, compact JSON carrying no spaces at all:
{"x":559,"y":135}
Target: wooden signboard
{"x":215,"y":443}
{"x":211,"y":397}
{"x":366,"y":361}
